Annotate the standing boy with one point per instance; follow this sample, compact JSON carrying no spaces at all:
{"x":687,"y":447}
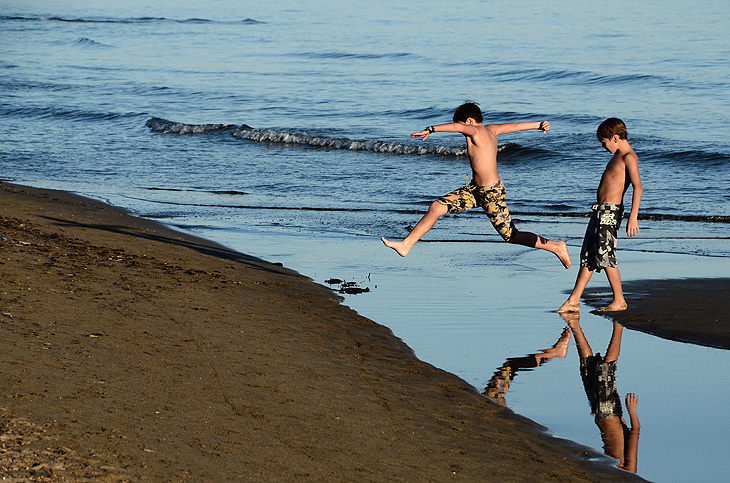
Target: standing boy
{"x":599,"y":244}
{"x":486,"y":188}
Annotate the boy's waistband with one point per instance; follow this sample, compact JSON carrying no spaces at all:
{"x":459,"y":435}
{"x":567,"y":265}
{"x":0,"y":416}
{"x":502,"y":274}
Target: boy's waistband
{"x":607,"y":207}
{"x":496,"y":185}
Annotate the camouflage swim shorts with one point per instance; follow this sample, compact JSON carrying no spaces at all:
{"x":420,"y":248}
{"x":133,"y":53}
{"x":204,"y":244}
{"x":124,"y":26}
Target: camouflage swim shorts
{"x":490,"y":198}
{"x":599,"y":382}
{"x":599,"y":244}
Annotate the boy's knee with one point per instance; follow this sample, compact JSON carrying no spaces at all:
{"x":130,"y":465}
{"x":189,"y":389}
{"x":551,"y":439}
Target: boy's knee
{"x":509,"y":234}
{"x":438,"y":208}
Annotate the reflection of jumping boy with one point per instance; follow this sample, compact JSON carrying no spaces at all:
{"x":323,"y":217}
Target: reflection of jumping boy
{"x":500,"y":382}
{"x":486,"y":189}
{"x":599,"y":245}
{"x":599,"y":381}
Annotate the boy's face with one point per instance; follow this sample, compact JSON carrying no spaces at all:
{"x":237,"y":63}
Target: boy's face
{"x":610,"y":145}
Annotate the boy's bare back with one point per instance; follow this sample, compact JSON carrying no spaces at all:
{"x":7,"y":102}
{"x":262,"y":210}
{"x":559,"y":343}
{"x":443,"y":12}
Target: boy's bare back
{"x":481,"y":144}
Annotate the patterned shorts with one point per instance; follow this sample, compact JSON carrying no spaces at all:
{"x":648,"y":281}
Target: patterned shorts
{"x":599,"y":382}
{"x":599,"y":244}
{"x":490,"y":198}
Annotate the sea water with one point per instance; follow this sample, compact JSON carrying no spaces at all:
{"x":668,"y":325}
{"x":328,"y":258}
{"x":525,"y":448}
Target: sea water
{"x":281,"y":129}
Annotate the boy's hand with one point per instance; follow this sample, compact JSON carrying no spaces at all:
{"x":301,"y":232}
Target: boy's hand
{"x":425,"y":133}
{"x":632,"y":228}
{"x":544,"y":126}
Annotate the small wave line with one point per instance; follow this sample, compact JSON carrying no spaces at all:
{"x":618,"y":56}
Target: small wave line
{"x":247,"y":133}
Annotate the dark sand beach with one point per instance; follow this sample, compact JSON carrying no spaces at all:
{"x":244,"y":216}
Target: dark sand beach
{"x":132,"y":352}
{"x":691,"y":310}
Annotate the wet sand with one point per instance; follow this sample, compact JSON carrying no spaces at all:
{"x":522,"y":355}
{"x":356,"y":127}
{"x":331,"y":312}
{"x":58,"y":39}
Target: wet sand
{"x":132,"y":352}
{"x":687,"y":310}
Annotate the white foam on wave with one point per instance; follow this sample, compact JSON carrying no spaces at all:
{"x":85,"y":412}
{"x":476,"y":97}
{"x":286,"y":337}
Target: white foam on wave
{"x":390,"y":147}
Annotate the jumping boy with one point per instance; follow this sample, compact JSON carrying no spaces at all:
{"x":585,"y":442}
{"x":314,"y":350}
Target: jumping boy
{"x":599,"y":244}
{"x":486,"y":188}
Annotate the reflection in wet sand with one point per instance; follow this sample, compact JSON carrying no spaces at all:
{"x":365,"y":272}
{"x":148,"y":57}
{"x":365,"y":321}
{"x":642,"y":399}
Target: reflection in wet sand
{"x":598,"y":373}
{"x":500,"y":382}
{"x":599,"y":381}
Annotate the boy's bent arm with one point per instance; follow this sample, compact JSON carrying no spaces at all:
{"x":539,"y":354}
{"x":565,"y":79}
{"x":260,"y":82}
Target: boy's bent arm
{"x":632,"y":171}
{"x":498,"y":129}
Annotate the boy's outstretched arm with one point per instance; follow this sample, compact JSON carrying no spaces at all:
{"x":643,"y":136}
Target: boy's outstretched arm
{"x":632,"y":170}
{"x":509,"y":127}
{"x":470,"y":130}
{"x":460,"y":127}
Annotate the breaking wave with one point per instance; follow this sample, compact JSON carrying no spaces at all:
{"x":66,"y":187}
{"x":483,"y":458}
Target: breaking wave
{"x":135,"y":20}
{"x":273,"y":136}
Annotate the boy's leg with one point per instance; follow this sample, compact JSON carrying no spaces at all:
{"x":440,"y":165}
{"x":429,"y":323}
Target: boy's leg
{"x":581,"y":281}
{"x":492,"y":200}
{"x":619,"y":303}
{"x":560,"y":249}
{"x":435,"y":211}
{"x":581,"y":343}
{"x":614,"y":346}
{"x":560,"y":349}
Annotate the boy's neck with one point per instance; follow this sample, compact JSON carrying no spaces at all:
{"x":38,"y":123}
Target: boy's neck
{"x":623,"y":146}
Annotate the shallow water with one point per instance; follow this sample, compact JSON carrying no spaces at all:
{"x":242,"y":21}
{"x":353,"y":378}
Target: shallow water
{"x":97,"y":94}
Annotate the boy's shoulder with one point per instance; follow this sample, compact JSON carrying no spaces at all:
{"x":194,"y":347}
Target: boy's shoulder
{"x":490,"y":128}
{"x":625,"y":154}
{"x":629,"y":155}
{"x":620,"y":160}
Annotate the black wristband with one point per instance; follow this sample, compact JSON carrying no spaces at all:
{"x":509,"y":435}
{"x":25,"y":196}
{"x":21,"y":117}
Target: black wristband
{"x":430,"y":129}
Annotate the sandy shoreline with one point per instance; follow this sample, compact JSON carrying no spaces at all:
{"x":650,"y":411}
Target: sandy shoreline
{"x":687,"y":310}
{"x":132,"y":352}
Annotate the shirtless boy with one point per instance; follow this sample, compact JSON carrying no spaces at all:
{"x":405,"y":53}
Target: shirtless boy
{"x":599,"y":244}
{"x":486,"y":188}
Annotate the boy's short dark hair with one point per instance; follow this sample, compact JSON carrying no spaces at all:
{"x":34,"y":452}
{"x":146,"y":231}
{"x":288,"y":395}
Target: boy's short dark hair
{"x":611,"y":127}
{"x":467,"y":110}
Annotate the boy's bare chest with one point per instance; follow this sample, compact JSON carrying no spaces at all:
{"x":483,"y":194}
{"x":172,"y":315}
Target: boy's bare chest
{"x":613,"y":181}
{"x":615,"y":169}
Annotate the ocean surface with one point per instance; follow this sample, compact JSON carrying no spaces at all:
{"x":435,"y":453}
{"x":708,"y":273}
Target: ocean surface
{"x":281,"y":129}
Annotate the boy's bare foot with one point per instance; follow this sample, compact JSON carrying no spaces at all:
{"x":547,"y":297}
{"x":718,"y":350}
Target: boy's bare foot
{"x":562,"y":253}
{"x":560,"y":349}
{"x":614,"y":307}
{"x":568,"y":306}
{"x":399,"y":246}
{"x":572,"y":319}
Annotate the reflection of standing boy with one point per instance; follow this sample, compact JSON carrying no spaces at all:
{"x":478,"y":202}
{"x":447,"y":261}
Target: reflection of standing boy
{"x":599,"y":245}
{"x":599,"y":381}
{"x":486,"y":188}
